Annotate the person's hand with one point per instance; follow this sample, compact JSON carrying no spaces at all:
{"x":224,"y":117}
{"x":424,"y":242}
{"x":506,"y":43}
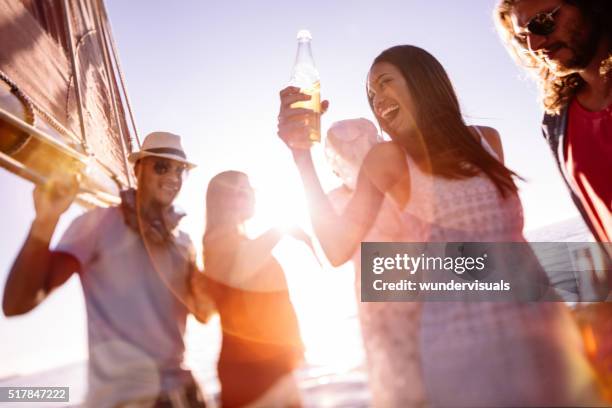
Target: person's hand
{"x":293,"y":126}
{"x":298,"y":234}
{"x":202,"y":304}
{"x":54,"y":197}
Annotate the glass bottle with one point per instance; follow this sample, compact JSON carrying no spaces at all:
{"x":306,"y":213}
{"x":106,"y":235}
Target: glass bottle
{"x":306,"y":77}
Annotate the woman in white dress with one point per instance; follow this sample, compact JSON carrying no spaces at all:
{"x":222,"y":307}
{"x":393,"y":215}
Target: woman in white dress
{"x":449,"y":182}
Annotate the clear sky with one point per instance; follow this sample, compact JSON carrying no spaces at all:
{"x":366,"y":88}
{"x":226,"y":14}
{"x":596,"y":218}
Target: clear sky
{"x":211,"y":72}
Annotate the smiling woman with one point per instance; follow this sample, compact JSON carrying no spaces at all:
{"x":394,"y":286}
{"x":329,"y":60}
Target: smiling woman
{"x":455,"y":189}
{"x":385,"y":78}
{"x":414,"y":101}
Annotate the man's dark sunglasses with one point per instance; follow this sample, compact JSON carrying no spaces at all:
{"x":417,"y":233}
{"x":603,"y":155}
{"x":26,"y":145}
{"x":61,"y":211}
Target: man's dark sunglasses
{"x":543,"y":23}
{"x":162,"y":167}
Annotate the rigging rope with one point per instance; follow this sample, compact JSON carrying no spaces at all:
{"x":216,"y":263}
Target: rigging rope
{"x":107,"y":29}
{"x":75,"y":71}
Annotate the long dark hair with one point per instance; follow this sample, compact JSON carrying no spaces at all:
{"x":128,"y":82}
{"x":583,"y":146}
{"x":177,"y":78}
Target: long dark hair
{"x":448,"y":144}
{"x":556,"y":91}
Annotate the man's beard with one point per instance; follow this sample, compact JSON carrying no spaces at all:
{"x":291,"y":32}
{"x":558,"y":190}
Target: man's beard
{"x":583,"y":49}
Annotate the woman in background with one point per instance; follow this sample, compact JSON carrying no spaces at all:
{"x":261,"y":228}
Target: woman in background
{"x":347,"y":144}
{"x":261,"y":343}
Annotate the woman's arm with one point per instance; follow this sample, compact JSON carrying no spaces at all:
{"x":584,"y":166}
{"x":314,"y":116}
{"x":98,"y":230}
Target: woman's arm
{"x":199,"y":301}
{"x":253,"y":254}
{"x":238,"y":259}
{"x":385,"y":165}
{"x":384,"y":169}
{"x":492,"y":137}
{"x":339,"y":234}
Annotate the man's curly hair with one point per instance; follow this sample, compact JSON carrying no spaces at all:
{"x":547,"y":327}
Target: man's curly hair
{"x":557,"y":90}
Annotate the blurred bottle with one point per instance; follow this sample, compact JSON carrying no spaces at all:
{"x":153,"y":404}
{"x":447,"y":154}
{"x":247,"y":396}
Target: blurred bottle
{"x":594,"y":311}
{"x":595,"y":323}
{"x":305,"y":76}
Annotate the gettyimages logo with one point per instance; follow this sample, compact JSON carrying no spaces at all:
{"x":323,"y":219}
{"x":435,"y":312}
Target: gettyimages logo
{"x":412,"y":264}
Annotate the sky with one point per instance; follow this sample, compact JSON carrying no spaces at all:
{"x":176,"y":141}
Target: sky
{"x":211,"y":72}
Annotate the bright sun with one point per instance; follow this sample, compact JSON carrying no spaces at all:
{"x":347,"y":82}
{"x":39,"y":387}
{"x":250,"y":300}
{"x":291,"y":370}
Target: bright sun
{"x":323,"y":296}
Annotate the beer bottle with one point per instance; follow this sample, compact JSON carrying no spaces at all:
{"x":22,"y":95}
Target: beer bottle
{"x":306,"y":77}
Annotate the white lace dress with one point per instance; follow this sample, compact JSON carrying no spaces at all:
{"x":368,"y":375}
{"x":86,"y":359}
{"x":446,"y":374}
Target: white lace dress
{"x":379,"y":321}
{"x":470,"y":354}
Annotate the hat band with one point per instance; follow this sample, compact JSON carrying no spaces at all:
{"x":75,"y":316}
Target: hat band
{"x":166,"y":150}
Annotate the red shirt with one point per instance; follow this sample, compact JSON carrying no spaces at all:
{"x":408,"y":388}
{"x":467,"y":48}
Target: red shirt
{"x":588,"y":160}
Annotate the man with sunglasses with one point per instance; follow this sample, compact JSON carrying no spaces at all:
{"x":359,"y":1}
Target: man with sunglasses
{"x":569,"y":45}
{"x":137,"y":272}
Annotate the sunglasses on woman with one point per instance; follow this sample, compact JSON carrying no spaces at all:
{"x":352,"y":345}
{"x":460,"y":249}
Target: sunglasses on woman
{"x":543,"y":23}
{"x":162,"y":167}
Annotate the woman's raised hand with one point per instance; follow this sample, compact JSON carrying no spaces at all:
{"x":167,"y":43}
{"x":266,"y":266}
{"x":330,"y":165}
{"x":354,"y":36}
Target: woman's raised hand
{"x":293,"y":126}
{"x":299,"y":234}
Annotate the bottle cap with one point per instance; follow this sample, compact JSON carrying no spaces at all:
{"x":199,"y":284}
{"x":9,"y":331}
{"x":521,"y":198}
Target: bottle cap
{"x":304,"y":35}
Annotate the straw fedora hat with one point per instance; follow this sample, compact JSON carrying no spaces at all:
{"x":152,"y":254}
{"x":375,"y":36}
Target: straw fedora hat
{"x":161,"y":144}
